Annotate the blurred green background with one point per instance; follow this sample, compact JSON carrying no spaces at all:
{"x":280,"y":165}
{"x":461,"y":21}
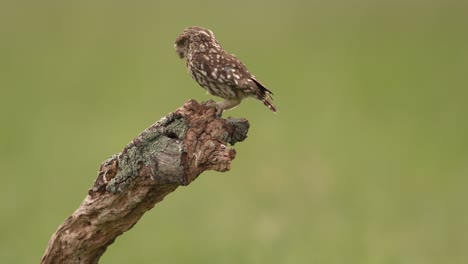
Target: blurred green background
{"x":366,"y":162}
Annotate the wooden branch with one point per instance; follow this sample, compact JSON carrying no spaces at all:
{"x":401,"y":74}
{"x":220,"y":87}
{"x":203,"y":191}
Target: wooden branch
{"x":170,"y":153}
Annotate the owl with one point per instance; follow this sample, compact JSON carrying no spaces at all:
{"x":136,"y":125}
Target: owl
{"x":218,"y":71}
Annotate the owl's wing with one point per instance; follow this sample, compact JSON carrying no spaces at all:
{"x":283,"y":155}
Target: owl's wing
{"x":225,"y":68}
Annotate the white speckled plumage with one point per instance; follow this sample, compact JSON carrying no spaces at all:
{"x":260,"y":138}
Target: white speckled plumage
{"x":218,"y":71}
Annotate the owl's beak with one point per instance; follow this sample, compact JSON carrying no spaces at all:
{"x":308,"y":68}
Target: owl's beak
{"x":181,"y":54}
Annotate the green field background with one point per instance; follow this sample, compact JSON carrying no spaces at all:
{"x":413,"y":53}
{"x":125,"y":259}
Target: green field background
{"x":366,"y":161}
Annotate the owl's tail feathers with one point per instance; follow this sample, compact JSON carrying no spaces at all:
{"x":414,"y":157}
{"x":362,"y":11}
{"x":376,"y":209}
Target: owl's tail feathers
{"x":268,"y":101}
{"x":265,"y":95}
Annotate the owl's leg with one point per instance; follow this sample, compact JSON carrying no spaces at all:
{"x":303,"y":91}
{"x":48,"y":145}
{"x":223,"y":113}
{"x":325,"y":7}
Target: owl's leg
{"x":228,"y":103}
{"x":225,"y":105}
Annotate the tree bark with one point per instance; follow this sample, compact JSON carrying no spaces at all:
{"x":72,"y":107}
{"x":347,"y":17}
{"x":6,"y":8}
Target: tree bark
{"x":170,"y":153}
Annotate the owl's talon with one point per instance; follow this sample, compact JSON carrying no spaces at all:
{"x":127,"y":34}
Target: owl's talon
{"x":219,"y":112}
{"x":213,"y":104}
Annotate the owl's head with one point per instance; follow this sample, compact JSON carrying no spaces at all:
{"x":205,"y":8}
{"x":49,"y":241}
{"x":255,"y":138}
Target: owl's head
{"x":194,"y":39}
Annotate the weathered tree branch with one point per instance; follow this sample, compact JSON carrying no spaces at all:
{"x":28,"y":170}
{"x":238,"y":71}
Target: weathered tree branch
{"x":170,"y":153}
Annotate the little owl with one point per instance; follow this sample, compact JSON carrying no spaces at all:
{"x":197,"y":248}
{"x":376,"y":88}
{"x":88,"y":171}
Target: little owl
{"x":217,"y":71}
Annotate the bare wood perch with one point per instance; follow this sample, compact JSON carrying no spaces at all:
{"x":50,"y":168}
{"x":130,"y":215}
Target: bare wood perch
{"x":170,"y":153}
